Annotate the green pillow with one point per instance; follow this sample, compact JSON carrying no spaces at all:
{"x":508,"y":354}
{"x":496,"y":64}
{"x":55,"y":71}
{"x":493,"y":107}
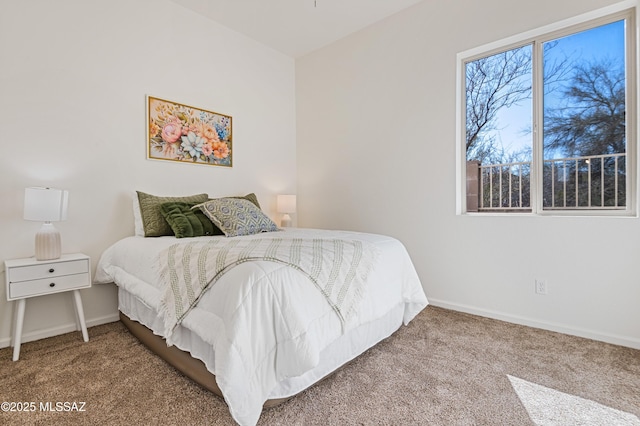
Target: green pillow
{"x":152,"y":220}
{"x":187,"y":223}
{"x":251,"y":197}
{"x":237,"y":216}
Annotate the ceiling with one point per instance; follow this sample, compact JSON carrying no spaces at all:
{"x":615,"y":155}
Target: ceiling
{"x":296,"y":27}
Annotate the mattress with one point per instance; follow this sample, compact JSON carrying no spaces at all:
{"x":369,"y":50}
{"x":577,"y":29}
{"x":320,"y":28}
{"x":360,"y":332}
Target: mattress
{"x":251,"y":362}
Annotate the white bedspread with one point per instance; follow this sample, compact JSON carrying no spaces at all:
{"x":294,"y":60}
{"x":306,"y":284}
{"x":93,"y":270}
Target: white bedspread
{"x":265,"y":321}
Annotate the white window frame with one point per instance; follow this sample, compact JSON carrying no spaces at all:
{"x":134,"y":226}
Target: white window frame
{"x":624,"y":10}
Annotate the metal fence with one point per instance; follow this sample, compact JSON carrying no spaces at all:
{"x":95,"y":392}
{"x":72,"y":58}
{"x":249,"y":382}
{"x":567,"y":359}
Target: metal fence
{"x":591,"y":182}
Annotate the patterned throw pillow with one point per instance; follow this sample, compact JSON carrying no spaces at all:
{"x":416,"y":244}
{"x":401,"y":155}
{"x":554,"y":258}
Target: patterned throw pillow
{"x":251,"y":197}
{"x":237,"y":216}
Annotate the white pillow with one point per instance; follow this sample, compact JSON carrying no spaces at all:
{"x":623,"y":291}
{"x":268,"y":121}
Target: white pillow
{"x":137,"y":216}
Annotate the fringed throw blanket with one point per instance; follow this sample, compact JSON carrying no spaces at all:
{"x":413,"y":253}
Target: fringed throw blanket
{"x":337,"y":267}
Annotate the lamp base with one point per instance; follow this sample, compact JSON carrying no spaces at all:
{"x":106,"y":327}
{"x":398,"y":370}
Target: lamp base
{"x":48,"y":243}
{"x":285,"y":221}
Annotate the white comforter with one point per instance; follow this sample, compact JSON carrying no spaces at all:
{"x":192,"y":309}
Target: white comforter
{"x":266,"y":321}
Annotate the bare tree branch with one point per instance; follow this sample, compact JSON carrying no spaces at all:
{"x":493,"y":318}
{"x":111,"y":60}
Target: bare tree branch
{"x":494,"y":82}
{"x":591,"y":121}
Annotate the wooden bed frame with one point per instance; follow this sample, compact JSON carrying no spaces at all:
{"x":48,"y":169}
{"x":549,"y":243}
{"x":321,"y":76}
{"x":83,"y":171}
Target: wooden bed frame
{"x":181,"y":360}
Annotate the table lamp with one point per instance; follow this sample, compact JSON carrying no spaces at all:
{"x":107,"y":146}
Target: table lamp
{"x":286,"y":204}
{"x":46,"y":205}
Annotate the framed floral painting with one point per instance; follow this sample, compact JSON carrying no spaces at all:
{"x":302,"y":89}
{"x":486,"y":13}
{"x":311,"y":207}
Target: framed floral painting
{"x":178,"y":132}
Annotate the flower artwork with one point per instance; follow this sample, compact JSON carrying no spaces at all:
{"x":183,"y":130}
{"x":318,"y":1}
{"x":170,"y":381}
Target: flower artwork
{"x":182,"y":133}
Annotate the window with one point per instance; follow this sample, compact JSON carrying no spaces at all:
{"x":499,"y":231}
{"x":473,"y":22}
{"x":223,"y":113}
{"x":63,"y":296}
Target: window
{"x":547,"y":124}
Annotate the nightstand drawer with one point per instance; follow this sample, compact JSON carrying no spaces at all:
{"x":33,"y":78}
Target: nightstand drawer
{"x":44,"y":285}
{"x":48,"y":270}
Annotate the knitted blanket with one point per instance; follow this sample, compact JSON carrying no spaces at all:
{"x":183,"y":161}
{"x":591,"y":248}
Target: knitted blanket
{"x":337,"y":267}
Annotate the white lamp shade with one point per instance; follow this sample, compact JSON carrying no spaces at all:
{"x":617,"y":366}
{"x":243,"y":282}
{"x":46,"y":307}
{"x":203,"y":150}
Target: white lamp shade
{"x":45,"y":204}
{"x":286,"y":203}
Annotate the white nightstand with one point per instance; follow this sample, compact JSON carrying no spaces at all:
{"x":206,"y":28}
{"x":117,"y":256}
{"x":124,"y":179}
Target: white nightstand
{"x":30,"y":277}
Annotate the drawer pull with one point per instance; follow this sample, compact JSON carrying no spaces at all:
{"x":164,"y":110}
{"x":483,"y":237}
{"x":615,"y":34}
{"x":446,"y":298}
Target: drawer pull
{"x":52,"y":270}
{"x":52,"y":285}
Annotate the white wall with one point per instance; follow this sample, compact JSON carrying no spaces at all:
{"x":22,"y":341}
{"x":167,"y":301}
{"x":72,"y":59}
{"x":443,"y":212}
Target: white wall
{"x":73,"y":81}
{"x":376,"y":152}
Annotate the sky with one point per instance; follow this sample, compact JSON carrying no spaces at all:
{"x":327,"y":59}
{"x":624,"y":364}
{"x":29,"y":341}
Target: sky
{"x":602,"y":42}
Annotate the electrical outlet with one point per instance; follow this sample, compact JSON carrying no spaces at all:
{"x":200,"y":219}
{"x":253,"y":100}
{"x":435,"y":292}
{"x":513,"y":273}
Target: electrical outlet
{"x":541,"y":286}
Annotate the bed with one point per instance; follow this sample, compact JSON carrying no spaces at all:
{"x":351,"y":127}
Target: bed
{"x":262,"y":328}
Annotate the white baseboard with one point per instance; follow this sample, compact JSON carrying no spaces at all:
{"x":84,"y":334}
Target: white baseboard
{"x":61,"y":329}
{"x":530,"y":322}
{"x":515,"y":319}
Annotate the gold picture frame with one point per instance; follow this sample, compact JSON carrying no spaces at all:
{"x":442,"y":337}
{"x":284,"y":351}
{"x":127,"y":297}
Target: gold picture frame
{"x":179,"y":132}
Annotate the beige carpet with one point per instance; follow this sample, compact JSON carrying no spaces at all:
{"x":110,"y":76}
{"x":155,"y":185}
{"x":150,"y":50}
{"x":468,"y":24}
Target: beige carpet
{"x":445,"y":368}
